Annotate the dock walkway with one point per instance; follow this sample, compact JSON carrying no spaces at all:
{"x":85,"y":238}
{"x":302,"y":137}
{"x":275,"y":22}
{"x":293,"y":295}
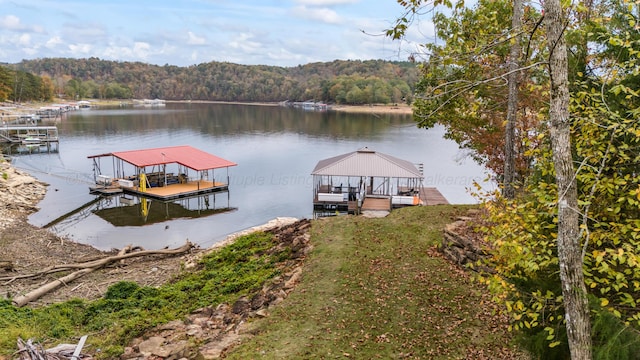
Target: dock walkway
{"x":432,"y":196}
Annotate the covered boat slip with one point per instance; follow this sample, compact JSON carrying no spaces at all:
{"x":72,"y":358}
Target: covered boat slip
{"x":161,"y":173}
{"x":368,"y":180}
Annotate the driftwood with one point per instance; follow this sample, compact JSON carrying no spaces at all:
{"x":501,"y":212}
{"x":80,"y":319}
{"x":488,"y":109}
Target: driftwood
{"x":92,"y":263}
{"x":86,"y":268}
{"x":28,"y":350}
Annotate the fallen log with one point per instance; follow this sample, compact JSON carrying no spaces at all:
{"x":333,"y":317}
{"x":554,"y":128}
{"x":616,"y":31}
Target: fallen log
{"x":50,"y":286}
{"x":88,"y":267}
{"x":99,"y":262}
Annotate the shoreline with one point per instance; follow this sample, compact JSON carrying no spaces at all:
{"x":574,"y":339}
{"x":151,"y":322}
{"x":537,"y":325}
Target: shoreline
{"x":399,"y":109}
{"x":403,"y":109}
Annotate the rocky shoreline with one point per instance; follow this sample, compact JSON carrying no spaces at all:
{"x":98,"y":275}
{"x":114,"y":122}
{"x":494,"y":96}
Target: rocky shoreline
{"x":210,"y":332}
{"x":19,"y":193}
{"x":207,"y":333}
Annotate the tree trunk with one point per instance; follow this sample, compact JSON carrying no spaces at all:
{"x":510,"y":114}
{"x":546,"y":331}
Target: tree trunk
{"x":512,"y":102}
{"x":569,"y":250}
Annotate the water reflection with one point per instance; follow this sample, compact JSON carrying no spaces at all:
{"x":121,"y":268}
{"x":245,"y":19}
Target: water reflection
{"x":229,"y":119}
{"x":128,"y":210}
{"x":24,"y":149}
{"x":136,"y":211}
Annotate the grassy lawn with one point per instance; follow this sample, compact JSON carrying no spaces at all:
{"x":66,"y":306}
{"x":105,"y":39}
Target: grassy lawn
{"x":377,"y":288}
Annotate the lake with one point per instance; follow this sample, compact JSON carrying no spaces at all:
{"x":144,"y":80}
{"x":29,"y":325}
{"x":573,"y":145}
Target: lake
{"x":275,"y":148}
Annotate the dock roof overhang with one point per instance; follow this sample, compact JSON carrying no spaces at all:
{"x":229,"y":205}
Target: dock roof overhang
{"x":366,"y":162}
{"x":184,"y":155}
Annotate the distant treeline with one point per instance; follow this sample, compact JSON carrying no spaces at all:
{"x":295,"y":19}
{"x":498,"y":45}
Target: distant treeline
{"x":340,"y":81}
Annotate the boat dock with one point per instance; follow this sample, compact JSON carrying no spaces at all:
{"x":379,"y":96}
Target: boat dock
{"x":26,"y":134}
{"x":165,"y":174}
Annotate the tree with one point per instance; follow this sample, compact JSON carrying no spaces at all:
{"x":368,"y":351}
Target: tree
{"x":47,"y":89}
{"x":604,"y":142}
{"x":512,"y":102}
{"x":569,"y":250}
{"x":463,"y":83}
{"x":528,"y":259}
{"x":6,"y":83}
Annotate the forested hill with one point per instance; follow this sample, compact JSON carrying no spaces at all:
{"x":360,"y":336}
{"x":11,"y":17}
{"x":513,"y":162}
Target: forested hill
{"x":340,"y":81}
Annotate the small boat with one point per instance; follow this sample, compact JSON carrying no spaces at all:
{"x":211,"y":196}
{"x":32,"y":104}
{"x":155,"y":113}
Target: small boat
{"x":31,"y":140}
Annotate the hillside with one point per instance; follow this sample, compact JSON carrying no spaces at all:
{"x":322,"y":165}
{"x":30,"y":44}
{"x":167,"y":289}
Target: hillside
{"x":342,"y":82}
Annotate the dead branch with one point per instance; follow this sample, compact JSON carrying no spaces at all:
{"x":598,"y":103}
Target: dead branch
{"x":88,"y":267}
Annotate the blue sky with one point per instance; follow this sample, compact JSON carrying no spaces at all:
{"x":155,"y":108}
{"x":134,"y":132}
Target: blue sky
{"x":187,"y":32}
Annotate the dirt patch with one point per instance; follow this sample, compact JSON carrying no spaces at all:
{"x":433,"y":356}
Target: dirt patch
{"x":27,"y":249}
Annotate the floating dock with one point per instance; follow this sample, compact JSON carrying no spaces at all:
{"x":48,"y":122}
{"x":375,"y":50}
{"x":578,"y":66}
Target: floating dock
{"x":366,"y":180}
{"x":167,"y":173}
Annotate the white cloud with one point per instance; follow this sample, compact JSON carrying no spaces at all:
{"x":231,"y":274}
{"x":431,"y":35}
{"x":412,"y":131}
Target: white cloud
{"x":118,"y":52}
{"x":195,"y":40}
{"x":320,"y":14}
{"x":244,"y":43}
{"x":141,"y":50}
{"x":80,"y":49}
{"x":24,"y":40}
{"x":53,"y":42}
{"x":11,"y":22}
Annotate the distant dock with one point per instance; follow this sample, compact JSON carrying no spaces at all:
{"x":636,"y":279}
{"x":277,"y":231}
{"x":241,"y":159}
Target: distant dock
{"x":27,"y":134}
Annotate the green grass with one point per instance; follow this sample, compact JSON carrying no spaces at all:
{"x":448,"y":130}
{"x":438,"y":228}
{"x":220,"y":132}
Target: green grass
{"x":376,"y":288}
{"x":371,"y":288}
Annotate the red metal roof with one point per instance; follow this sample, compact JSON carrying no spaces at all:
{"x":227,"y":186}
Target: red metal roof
{"x":184,"y":155}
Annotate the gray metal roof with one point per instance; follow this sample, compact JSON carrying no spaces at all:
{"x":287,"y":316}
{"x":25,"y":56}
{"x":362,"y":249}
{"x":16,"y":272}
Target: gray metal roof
{"x":366,"y":162}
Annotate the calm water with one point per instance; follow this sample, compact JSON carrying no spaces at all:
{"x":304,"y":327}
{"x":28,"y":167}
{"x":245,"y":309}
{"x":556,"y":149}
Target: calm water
{"x":275,"y":149}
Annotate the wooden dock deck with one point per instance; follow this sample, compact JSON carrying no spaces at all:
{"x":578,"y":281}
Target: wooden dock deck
{"x":376,"y":204}
{"x":432,"y":196}
{"x":164,"y":193}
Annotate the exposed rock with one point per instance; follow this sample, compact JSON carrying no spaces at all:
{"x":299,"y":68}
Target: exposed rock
{"x":18,"y":192}
{"x":241,"y":306}
{"x":210,"y":332}
{"x":148,"y":346}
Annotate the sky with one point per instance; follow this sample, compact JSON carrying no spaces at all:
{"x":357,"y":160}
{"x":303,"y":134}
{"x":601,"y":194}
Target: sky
{"x":189,"y":32}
